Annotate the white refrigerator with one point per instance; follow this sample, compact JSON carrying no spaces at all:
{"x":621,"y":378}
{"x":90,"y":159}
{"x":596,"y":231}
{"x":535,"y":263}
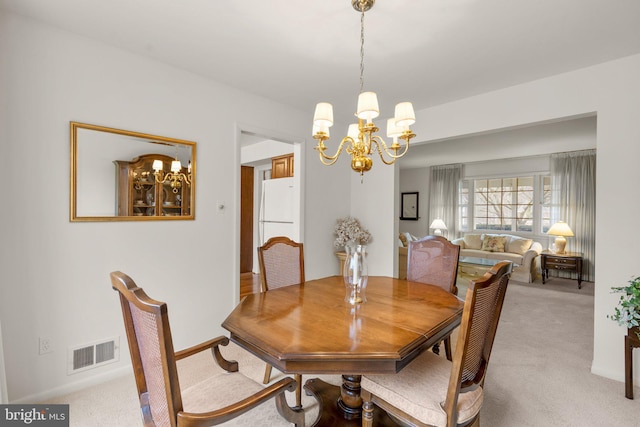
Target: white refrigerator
{"x":277,"y":210}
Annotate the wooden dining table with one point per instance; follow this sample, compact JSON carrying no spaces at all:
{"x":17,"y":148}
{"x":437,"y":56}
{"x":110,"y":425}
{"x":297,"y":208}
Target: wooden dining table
{"x":311,"y":329}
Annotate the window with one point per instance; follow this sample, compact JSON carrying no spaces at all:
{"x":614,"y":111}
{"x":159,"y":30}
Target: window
{"x":504,"y":204}
{"x":510,"y":204}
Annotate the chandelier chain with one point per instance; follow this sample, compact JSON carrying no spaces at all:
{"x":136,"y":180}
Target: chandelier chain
{"x":362,"y":50}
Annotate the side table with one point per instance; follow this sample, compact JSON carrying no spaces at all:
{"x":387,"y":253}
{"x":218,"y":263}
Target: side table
{"x":568,"y":261}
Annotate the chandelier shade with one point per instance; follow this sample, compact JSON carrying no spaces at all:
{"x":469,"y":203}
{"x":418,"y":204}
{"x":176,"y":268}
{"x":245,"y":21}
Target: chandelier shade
{"x":368,"y":106}
{"x":323,"y":116}
{"x":404,"y":114}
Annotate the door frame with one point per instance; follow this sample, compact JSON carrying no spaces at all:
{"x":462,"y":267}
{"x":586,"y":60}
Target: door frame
{"x":244,"y":132}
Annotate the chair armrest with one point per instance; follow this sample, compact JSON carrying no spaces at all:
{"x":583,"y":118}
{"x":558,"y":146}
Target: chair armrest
{"x":213,"y":344}
{"x":190,"y":419}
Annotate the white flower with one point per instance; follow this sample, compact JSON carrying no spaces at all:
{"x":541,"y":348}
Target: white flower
{"x":349,"y":229}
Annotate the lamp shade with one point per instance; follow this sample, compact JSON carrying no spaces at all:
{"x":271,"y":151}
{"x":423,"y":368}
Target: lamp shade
{"x":438,"y":224}
{"x":321,"y":128}
{"x":323,"y":115}
{"x":404,"y":114}
{"x":354,"y":131}
{"x":157,"y":165}
{"x":368,"y":106}
{"x":393,"y":131}
{"x":176,"y":166}
{"x":560,"y":228}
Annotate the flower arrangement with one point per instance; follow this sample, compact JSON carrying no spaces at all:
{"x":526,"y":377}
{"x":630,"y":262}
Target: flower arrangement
{"x":627,"y":313}
{"x":349,"y":229}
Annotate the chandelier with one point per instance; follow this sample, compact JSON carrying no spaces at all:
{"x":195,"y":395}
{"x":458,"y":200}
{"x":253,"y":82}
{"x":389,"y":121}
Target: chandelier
{"x":176,"y":177}
{"x":361,"y":140}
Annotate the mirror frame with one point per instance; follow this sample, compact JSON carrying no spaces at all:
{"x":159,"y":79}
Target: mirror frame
{"x":73,"y":205}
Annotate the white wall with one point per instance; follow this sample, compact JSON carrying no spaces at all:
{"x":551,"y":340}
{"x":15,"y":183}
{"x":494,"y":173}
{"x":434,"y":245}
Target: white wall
{"x":258,"y":152}
{"x":4,"y":396}
{"x":611,"y":90}
{"x":55,"y":281}
{"x":412,"y":180}
{"x":373,"y":203}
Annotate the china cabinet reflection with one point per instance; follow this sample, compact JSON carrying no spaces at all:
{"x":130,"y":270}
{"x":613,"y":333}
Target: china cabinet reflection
{"x":139,"y":194}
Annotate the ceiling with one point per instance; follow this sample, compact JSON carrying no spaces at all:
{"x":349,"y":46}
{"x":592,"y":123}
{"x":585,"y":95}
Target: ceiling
{"x":427,"y":51}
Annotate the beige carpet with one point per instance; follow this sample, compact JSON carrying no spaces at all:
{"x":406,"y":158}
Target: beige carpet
{"x":539,"y":373}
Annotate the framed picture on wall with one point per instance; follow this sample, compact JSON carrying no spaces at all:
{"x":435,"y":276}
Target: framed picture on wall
{"x":409,"y":206}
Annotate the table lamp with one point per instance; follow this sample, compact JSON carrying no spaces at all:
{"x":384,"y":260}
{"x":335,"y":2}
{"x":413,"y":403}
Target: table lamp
{"x":438,"y":225}
{"x":561,"y":230}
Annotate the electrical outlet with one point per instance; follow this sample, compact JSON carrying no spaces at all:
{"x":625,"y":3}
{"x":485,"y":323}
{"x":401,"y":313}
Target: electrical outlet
{"x":45,"y":346}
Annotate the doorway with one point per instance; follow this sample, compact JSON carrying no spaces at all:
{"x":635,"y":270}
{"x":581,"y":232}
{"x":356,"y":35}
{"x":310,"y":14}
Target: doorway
{"x":257,"y":154}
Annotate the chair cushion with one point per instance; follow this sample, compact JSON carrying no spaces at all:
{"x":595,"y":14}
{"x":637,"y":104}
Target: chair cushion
{"x":420,"y":390}
{"x":225,"y":389}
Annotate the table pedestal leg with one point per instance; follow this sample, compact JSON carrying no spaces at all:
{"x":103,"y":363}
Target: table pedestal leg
{"x":350,"y":401}
{"x":336,"y":403}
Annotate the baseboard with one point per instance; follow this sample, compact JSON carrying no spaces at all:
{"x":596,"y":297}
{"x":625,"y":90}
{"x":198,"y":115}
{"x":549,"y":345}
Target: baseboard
{"x":75,"y":386}
{"x":614,"y":374}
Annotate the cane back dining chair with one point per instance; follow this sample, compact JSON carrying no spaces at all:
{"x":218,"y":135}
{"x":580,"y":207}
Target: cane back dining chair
{"x":281,"y":264}
{"x":218,"y":398}
{"x":432,"y":391}
{"x":434,"y":260}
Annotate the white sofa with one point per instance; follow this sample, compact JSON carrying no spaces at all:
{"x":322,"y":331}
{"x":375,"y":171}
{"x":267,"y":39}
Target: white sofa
{"x":519,"y":250}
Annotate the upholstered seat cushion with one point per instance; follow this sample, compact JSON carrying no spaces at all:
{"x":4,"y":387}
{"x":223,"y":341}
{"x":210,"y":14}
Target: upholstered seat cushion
{"x":420,"y":390}
{"x":228,"y":388}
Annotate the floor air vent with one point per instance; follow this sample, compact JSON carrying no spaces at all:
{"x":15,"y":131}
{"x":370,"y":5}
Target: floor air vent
{"x":93,"y":355}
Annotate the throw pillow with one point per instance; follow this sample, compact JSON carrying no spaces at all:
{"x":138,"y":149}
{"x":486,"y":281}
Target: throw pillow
{"x":403,"y":239}
{"x":472,"y":241}
{"x":518,"y":245}
{"x":494,"y":243}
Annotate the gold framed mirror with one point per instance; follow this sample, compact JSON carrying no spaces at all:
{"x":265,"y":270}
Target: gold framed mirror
{"x":120,"y":175}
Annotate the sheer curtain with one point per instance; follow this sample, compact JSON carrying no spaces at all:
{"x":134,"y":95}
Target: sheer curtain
{"x":573,"y":183}
{"x":443,"y":197}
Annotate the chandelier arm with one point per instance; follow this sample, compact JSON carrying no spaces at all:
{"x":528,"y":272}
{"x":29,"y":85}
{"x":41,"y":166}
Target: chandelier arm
{"x":378,"y":141}
{"x":334,"y":158}
{"x":184,"y":178}
{"x":325,"y":162}
{"x":160,"y":177}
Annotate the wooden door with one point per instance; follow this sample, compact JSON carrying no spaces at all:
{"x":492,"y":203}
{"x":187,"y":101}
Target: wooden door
{"x":246,"y":219}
